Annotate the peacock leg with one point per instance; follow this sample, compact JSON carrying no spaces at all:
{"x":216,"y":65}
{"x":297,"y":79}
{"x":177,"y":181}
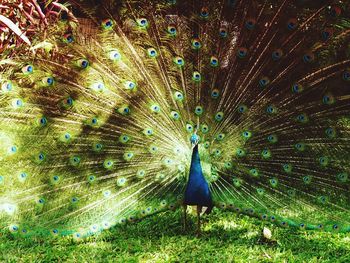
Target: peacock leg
{"x":199,"y":210}
{"x":184,"y":217}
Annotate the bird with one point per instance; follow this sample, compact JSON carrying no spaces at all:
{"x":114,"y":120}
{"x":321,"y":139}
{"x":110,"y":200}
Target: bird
{"x":134,"y":108}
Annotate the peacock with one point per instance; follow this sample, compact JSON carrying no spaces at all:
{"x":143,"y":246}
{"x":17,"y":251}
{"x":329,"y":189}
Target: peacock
{"x":119,"y":110}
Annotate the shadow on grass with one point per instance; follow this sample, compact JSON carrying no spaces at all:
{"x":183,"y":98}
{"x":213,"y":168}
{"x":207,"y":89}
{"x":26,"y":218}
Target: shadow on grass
{"x":226,"y":237}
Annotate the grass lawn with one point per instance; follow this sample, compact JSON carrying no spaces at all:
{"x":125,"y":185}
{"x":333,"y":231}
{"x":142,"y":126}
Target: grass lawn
{"x":226,"y":238}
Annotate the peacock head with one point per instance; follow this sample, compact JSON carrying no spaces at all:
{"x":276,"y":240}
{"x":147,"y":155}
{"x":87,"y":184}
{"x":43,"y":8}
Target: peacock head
{"x":194,"y":138}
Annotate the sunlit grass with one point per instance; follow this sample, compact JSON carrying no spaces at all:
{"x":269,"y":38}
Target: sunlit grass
{"x":226,"y":238}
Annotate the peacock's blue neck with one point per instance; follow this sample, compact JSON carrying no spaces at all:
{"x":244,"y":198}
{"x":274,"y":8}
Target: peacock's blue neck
{"x":197,"y":190}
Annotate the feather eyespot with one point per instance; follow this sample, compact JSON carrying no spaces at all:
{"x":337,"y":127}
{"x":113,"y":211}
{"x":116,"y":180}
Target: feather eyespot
{"x":172,"y":30}
{"x":107,"y":23}
{"x":204,"y":13}
{"x":29,"y":69}
{"x":196,"y":76}
{"x":198,"y":110}
{"x":264,"y":82}
{"x":242,"y":52}
{"x":179,"y":61}
{"x":196,"y":44}
{"x":277,"y":54}
{"x":250,"y":23}
{"x":223,"y":32}
{"x":68,"y":38}
{"x":114,"y":55}
{"x":152,"y":53}
{"x":142,"y":23}
{"x":309,"y":58}
{"x":214,"y":61}
{"x":292,"y":23}
{"x":297,"y":88}
{"x":215,"y":93}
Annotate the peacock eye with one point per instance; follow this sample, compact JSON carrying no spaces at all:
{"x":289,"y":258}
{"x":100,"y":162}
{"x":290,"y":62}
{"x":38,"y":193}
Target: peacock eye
{"x":287,"y":168}
{"x":41,"y":201}
{"x":214,"y":61}
{"x":130,"y":85}
{"x":246,"y":135}
{"x":277,"y":54}
{"x":220,"y":136}
{"x":272,"y":138}
{"x":124,"y":110}
{"x":98,"y":87}
{"x":68,"y":38}
{"x":42,"y":121}
{"x":175,"y":115}
{"x":108,"y":164}
{"x":178,"y":96}
{"x":189,"y":127}
{"x":29,"y":69}
{"x":13,"y":228}
{"x":302,"y":118}
{"x":242,"y":52}
{"x":297,"y":88}
{"x":323,"y":161}
{"x":330,"y":132}
{"x":204,"y":13}
{"x":250,"y":23}
{"x":97,"y":147}
{"x":273,"y":182}
{"x":67,"y":136}
{"x":148,"y":131}
{"x":271,"y":109}
{"x":264,"y":82}
{"x":140,"y":174}
{"x":327,"y":34}
{"x":300,"y":146}
{"x":198,"y":110}
{"x":196,"y":76}
{"x":196,"y":44}
{"x":343,"y":177}
{"x":179,"y":61}
{"x":292,"y":24}
{"x":155,"y":108}
{"x":153,"y":149}
{"x":242,"y":108}
{"x":219,"y":116}
{"x":308,"y":57}
{"x":172,"y":30}
{"x":152,"y":53}
{"x":48,"y":81}
{"x":17,"y":103}
{"x":6,"y":86}
{"x":266,"y":153}
{"x":223,"y":32}
{"x":107,"y":24}
{"x":74,"y":160}
{"x":215,"y":93}
{"x":69,"y":101}
{"x":40,"y":157}
{"x":346,"y":75}
{"x":240,"y":152}
{"x":142,"y":22}
{"x":204,"y":128}
{"x":83,"y":63}
{"x":124,"y":138}
{"x":254,"y":172}
{"x":307,"y":179}
{"x":328,"y":99}
{"x":114,"y":55}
